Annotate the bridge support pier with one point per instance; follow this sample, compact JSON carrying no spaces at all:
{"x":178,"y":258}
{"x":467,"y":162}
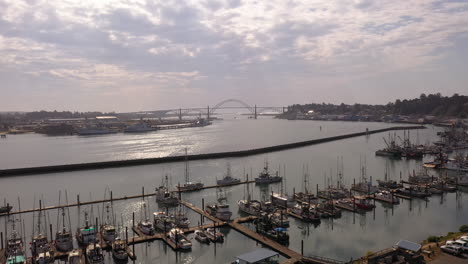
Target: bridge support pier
{"x":180,"y":114}
{"x":255,"y":113}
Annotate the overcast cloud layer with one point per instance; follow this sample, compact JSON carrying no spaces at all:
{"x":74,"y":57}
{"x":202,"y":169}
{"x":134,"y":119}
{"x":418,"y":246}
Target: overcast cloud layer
{"x":147,"y":55}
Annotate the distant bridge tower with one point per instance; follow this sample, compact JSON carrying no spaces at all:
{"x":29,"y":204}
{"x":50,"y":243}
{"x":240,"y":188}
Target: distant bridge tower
{"x":255,"y":111}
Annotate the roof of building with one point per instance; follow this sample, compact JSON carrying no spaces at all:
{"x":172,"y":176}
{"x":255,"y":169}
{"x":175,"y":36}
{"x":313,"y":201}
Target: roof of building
{"x":408,"y":245}
{"x":257,"y":255}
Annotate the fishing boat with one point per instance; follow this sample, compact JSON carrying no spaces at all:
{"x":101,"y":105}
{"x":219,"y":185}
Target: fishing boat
{"x":15,"y":253}
{"x":108,"y":231}
{"x":279,"y":219}
{"x":63,"y":238}
{"x":164,"y":196}
{"x":40,"y":247}
{"x":95,"y":130}
{"x":265,"y":178}
{"x":392,"y":149}
{"x":327,"y":208}
{"x":219,"y":210}
{"x":188,"y":185}
{"x":139,"y":128}
{"x":414,"y":192}
{"x":74,"y":257}
{"x":145,"y":225}
{"x":88,"y":234}
{"x":201,"y":236}
{"x":228,"y":179}
{"x":163,"y":222}
{"x":282,"y":200}
{"x":363,"y":203}
{"x":387,"y":197}
{"x":264,"y":226}
{"x":180,"y":219}
{"x":333,"y":193}
{"x":248,"y":206}
{"x":6,"y":208}
{"x":179,"y":239}
{"x":303,"y":211}
{"x":364,"y":186}
{"x":94,"y":254}
{"x":213,"y":235}
{"x":421,"y":177}
{"x":119,"y":250}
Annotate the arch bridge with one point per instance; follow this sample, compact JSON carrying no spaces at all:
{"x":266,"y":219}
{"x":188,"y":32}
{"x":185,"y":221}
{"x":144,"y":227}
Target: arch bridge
{"x":209,"y":111}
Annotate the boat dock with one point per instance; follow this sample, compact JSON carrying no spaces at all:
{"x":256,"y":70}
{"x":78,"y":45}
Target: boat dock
{"x":111,"y":199}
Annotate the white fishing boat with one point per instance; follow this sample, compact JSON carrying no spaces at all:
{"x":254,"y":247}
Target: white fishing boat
{"x":179,"y":239}
{"x":201,"y":236}
{"x":251,"y":207}
{"x":181,"y":220}
{"x":108,"y":231}
{"x":214,"y":235}
{"x":282,"y":200}
{"x":163,"y":222}
{"x":145,"y":225}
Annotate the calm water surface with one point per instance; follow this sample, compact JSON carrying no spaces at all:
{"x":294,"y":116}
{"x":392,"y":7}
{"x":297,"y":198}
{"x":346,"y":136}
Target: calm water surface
{"x":348,"y":237}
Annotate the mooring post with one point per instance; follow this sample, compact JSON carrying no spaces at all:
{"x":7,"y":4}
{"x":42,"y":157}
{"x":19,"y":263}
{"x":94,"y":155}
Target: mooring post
{"x":133,"y":219}
{"x":143,"y":191}
{"x":180,"y":194}
{"x":294,"y":191}
{"x":78,"y":199}
{"x":302,"y":247}
{"x":126,"y":235}
{"x":111,"y":198}
{"x":203,"y":208}
{"x":1,"y":237}
{"x":97,"y":224}
{"x":50,"y":227}
{"x":317,"y":189}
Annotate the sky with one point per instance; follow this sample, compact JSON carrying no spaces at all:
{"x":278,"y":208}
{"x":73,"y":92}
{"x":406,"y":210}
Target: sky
{"x":119,"y":55}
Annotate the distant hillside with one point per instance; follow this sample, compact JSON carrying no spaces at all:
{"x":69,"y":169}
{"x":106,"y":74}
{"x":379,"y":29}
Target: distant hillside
{"x":432,"y":104}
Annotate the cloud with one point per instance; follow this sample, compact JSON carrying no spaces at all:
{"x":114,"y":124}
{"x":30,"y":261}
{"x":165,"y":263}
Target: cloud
{"x":246,"y":47}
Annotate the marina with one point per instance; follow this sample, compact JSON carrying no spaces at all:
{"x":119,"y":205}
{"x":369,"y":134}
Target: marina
{"x":196,"y":202}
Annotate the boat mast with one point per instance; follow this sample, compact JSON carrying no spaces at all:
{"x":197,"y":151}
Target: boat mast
{"x":187,"y":177}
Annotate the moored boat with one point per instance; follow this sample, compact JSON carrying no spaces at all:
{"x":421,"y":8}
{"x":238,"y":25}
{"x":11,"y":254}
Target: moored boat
{"x":179,"y":239}
{"x":265,"y":178}
{"x":219,"y":210}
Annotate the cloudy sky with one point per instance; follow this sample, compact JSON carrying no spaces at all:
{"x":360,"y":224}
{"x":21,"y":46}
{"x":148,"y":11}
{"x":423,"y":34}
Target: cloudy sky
{"x":146,"y":55}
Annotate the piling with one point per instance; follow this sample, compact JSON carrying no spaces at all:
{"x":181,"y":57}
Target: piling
{"x":317,"y":190}
{"x":1,"y":238}
{"x":126,"y":235}
{"x":78,"y":199}
{"x":111,"y":196}
{"x":302,"y":247}
{"x":51,"y":234}
{"x":133,"y":219}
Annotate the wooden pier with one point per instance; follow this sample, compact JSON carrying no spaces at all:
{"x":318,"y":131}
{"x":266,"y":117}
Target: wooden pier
{"x":112,"y":199}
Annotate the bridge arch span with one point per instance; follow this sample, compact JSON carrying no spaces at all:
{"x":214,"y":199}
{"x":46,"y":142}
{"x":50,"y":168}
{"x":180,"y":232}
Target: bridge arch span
{"x":251,"y":109}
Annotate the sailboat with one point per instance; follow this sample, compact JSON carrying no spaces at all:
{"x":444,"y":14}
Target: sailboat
{"x":6,"y":208}
{"x":164,"y":196}
{"x":188,"y":185}
{"x":145,"y":225}
{"x":306,"y":196}
{"x":282,"y":199}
